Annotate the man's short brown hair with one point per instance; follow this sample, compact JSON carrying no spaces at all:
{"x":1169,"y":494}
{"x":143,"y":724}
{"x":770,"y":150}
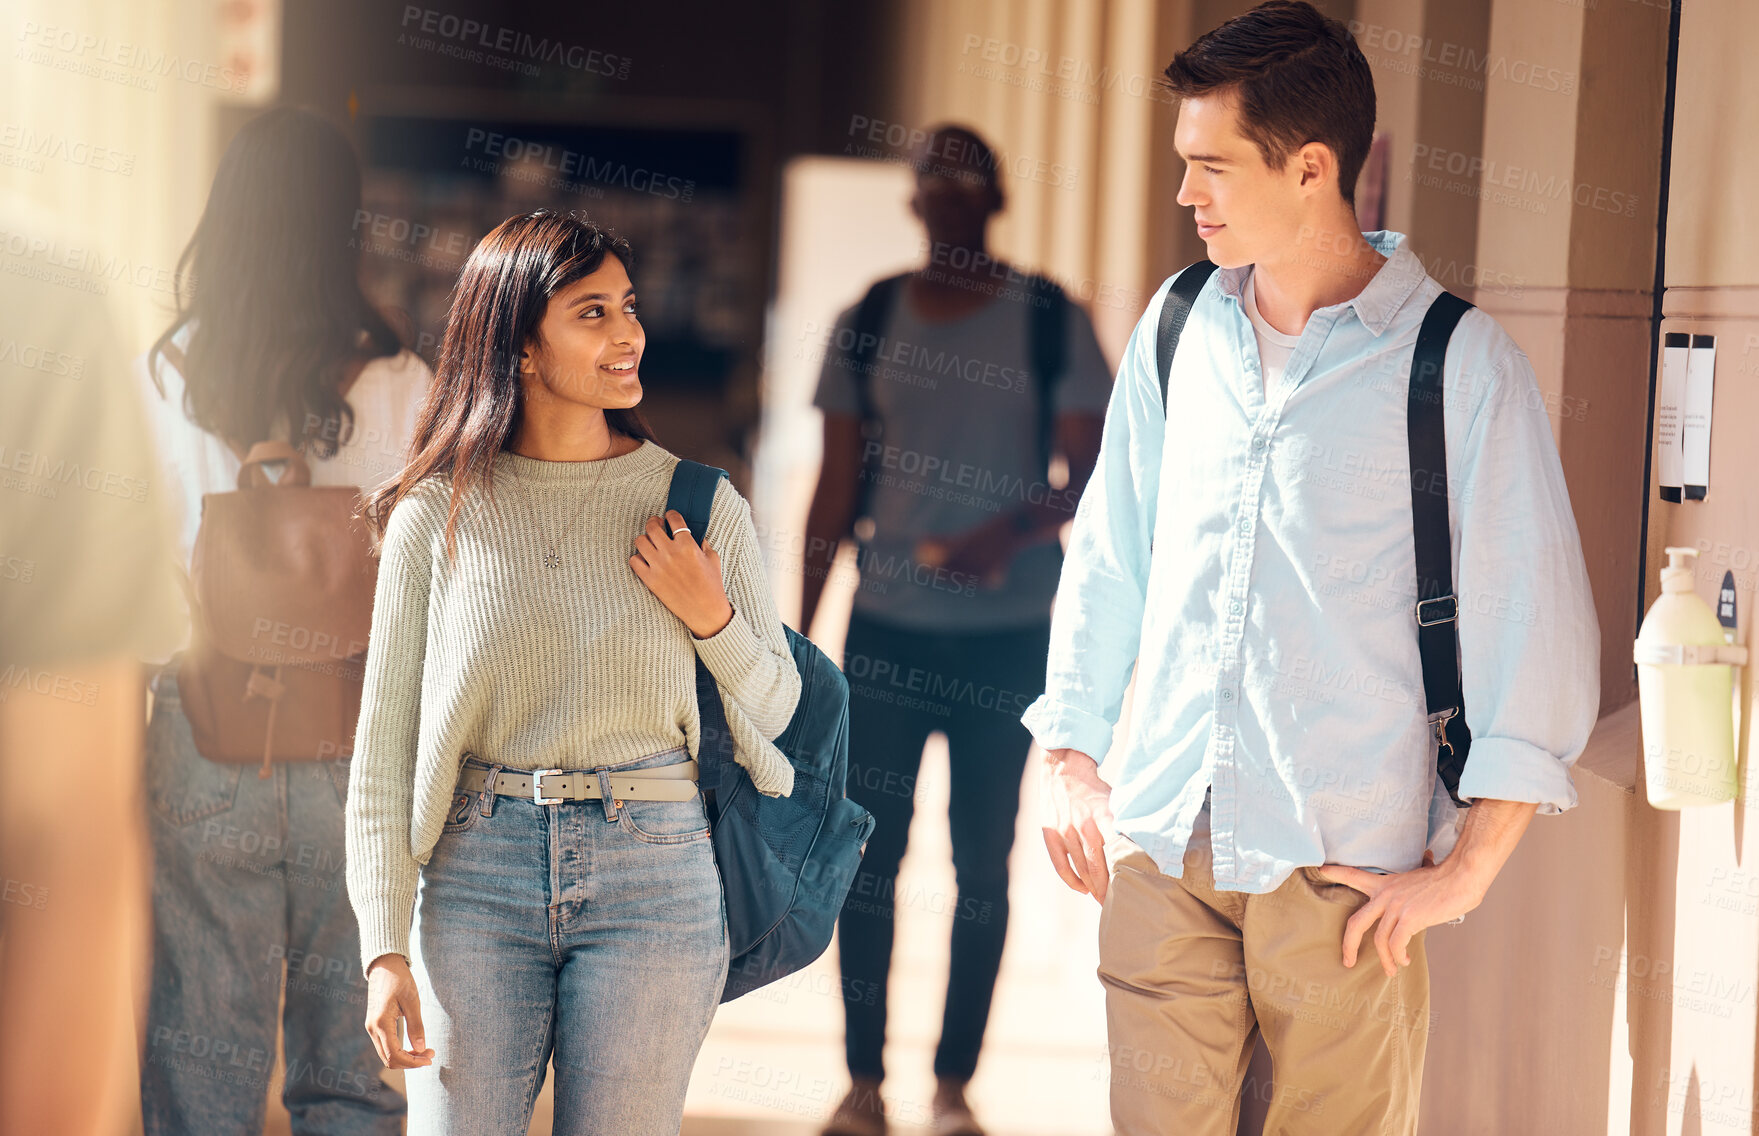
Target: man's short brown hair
{"x":1299,"y":78}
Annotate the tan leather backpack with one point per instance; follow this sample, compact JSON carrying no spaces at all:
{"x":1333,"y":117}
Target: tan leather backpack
{"x":280,"y":590}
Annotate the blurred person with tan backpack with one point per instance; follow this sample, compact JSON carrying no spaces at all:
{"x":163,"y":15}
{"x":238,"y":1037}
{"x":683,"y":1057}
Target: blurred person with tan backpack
{"x":279,"y":393}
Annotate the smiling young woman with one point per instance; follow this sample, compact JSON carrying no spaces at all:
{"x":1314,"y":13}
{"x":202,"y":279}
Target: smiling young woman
{"x":529,"y":860}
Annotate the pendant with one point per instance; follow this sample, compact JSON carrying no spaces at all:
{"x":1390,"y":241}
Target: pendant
{"x":551,"y":560}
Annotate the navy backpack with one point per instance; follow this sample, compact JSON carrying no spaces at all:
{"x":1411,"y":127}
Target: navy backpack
{"x":786,"y":862}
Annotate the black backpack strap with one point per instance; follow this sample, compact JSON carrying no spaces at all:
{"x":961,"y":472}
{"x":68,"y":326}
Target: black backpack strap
{"x":1438,"y":609}
{"x":871,"y":317}
{"x":1173,"y":312}
{"x":1048,"y":324}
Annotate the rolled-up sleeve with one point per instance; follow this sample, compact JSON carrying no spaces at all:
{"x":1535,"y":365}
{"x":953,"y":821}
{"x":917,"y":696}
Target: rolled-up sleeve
{"x":1529,"y":639}
{"x":1096,"y":626}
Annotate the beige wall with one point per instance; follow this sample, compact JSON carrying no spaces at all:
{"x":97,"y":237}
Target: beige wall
{"x":1622,"y":937}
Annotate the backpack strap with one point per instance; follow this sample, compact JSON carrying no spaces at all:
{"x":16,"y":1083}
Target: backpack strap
{"x":1173,"y":312}
{"x":1438,"y":609}
{"x":1048,"y":324}
{"x":692,"y":493}
{"x":871,"y":317}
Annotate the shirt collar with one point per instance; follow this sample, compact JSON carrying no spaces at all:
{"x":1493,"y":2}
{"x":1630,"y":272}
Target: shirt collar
{"x":1380,"y":301}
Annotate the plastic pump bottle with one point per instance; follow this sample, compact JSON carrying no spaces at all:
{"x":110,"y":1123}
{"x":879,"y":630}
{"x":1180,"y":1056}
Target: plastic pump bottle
{"x":1685,"y":698}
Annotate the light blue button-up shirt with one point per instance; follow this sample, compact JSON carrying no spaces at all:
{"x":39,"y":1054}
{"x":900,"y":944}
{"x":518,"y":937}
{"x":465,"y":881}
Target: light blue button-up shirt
{"x":1251,"y":555}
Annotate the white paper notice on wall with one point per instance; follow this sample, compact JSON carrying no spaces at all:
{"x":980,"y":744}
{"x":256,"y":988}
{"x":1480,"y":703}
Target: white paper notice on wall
{"x":1695,"y":424}
{"x":1669,"y":456}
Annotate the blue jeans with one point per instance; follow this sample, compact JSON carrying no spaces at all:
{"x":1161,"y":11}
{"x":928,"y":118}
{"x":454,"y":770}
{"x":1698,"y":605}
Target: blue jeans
{"x":248,"y":892}
{"x":590,"y":933}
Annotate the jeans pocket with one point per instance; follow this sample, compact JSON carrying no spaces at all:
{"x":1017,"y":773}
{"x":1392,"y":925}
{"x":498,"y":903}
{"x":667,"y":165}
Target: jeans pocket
{"x":664,"y":822}
{"x":182,"y":785}
{"x":462,"y":813}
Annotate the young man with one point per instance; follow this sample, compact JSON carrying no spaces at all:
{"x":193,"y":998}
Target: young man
{"x":1280,"y":834}
{"x":973,"y":372}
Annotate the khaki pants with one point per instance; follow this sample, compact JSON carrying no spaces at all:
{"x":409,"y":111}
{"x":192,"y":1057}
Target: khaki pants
{"x":1192,"y":975}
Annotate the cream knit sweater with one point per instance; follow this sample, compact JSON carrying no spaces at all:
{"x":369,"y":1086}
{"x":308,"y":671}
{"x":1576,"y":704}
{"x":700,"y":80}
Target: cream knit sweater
{"x":571,"y":667}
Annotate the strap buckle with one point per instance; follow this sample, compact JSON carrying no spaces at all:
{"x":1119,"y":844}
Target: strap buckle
{"x":1431,"y":619}
{"x":1438,"y":723}
{"x":537,"y":792}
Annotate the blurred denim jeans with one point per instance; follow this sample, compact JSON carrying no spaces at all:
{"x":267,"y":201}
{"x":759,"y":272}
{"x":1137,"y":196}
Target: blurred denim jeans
{"x":248,"y":888}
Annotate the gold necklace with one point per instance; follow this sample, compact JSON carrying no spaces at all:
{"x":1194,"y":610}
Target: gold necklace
{"x":551,"y":558}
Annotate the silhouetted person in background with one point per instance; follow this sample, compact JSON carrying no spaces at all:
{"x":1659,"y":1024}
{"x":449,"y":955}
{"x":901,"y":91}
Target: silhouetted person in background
{"x":945,"y":393}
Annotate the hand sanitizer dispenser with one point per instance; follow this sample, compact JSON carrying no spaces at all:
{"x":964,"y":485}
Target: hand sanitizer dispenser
{"x":1685,"y":692}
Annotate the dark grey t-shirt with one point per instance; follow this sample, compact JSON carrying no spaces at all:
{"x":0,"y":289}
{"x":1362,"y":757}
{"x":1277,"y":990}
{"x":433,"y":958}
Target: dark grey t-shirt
{"x":960,"y":413}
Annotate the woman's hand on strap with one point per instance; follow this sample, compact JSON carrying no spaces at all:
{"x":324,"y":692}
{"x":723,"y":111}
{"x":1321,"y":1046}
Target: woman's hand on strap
{"x":683,"y":575}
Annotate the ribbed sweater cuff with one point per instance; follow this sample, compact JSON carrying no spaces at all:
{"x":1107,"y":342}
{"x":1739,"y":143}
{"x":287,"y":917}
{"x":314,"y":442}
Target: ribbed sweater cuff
{"x":773,"y":778}
{"x":731,"y":653}
{"x":384,"y":927}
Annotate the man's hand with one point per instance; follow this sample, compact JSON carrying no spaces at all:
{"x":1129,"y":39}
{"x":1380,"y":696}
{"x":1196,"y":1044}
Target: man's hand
{"x":391,"y":998}
{"x":1405,"y":903}
{"x":1078,"y":812}
{"x":983,"y":553}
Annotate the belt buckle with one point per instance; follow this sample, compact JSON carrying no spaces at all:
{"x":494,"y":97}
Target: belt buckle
{"x":537,"y":777}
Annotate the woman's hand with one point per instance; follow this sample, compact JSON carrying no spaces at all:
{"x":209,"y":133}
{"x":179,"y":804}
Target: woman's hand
{"x":391,"y":999}
{"x":684,"y":576}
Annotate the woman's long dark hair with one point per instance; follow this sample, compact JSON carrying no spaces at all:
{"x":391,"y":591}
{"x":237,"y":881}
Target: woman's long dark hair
{"x":271,"y":276}
{"x":474,"y":404}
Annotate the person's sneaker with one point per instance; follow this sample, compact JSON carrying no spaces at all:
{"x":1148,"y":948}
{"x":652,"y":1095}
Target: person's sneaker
{"x":952,"y":1113}
{"x":861,"y":1113}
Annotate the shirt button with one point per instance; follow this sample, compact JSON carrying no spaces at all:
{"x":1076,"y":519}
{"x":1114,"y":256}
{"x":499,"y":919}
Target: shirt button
{"x":1235,"y":607}
{"x":1259,"y":442}
{"x":1227,"y":694}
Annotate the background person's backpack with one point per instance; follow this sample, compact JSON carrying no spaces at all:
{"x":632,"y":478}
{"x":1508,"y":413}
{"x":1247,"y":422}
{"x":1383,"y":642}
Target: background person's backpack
{"x":280,"y":590}
{"x":786,"y":862}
